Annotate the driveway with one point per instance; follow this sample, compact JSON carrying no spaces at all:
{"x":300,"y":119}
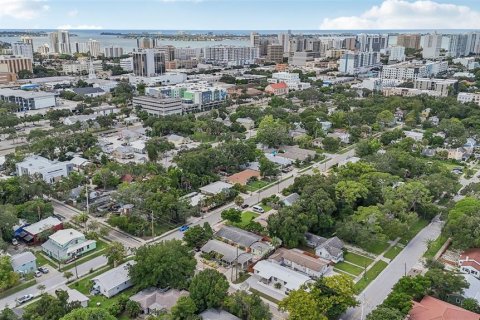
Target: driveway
{"x":378,"y":290}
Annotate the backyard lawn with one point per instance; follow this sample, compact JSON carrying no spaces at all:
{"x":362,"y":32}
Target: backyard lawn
{"x":257,"y":184}
{"x":357,"y":259}
{"x":42,"y":261}
{"x":393,"y":252}
{"x":265,"y":207}
{"x":347,"y":267}
{"x":247,"y":216}
{"x":84,"y":285}
{"x":370,"y":275}
{"x":377,"y":247}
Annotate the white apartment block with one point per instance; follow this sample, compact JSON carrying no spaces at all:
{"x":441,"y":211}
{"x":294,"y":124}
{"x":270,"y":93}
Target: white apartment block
{"x":397,"y":53}
{"x":468,"y":62}
{"x":432,"y":44}
{"x":466,"y":97}
{"x":126,"y":64}
{"x":443,"y":86}
{"x":114,"y":52}
{"x":231,"y":55}
{"x":49,"y":171}
{"x":408,"y":71}
{"x":28,"y":100}
{"x":357,"y":62}
{"x":291,"y":79}
{"x":22,"y":49}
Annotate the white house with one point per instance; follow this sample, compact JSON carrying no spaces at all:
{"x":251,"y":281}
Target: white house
{"x":138,"y":146}
{"x":113,"y":281}
{"x":77,"y":296}
{"x":49,"y":171}
{"x":299,"y":261}
{"x":329,"y":249}
{"x":215,"y":188}
{"x":469,"y":262}
{"x":276,"y":275}
{"x":66,"y":244}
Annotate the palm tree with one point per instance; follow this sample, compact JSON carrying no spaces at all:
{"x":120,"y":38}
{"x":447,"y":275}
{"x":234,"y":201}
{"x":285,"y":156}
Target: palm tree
{"x":67,"y":275}
{"x":82,"y":218}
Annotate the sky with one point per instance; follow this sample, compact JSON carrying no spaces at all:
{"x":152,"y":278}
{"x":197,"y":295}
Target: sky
{"x":240,"y":14}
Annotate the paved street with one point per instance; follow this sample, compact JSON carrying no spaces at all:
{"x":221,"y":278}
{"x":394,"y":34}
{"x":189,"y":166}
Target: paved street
{"x":52,"y":282}
{"x":378,"y":290}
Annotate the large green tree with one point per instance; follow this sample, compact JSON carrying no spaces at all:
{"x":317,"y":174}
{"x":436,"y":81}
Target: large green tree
{"x":166,"y":264}
{"x":208,"y":289}
{"x":247,"y":306}
{"x":8,"y":278}
{"x":272,"y":132}
{"x":89,"y":314}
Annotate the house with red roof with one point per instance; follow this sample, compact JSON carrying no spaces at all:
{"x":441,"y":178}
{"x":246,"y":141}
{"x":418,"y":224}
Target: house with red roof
{"x":431,"y":308}
{"x":469,"y":262}
{"x":277,"y":89}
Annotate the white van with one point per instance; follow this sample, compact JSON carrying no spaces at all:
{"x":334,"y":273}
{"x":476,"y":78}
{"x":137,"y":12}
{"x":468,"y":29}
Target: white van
{"x":258,"y":209}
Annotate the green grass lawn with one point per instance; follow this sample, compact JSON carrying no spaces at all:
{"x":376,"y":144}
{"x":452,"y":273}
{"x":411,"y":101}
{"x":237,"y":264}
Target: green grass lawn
{"x":202,"y":137}
{"x":357,"y":259}
{"x":435,"y":246}
{"x":393,"y":252}
{"x":416,"y":228}
{"x":344,"y":273}
{"x":370,"y":276}
{"x":350,"y":268}
{"x":42,"y":261}
{"x":263,"y":295}
{"x":84,"y":285}
{"x":377,"y":247}
{"x":265,"y":207}
{"x":247,"y":216}
{"x":257,"y":184}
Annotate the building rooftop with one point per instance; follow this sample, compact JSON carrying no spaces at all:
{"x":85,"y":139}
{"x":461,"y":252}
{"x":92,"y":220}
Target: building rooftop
{"x":62,"y":237}
{"x":75,"y":295}
{"x":25,"y":94}
{"x":22,"y":258}
{"x":291,"y":199}
{"x":215,"y":187}
{"x":473,"y":291}
{"x":154,"y":298}
{"x":297,"y":256}
{"x":114,"y":277}
{"x":229,"y":253}
{"x":238,"y":236}
{"x":42,"y":225}
{"x":293,"y":279}
{"x":433,"y":309}
{"x":87,"y":90}
{"x":243,"y":177}
{"x":216,"y":314}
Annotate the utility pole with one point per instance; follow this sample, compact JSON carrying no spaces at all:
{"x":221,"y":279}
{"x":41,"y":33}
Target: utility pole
{"x":87,"y":196}
{"x":151,"y":218}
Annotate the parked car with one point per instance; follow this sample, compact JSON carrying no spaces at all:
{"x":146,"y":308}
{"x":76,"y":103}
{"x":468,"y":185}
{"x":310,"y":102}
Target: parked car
{"x":24,"y":298}
{"x":184,"y":228}
{"x":38,"y":274}
{"x":15,"y":242}
{"x":258,"y":209}
{"x":43,"y":270}
{"x":244,"y":206}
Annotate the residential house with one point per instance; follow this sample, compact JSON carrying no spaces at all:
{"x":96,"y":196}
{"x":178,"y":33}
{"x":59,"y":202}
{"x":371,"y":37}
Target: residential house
{"x":138,"y":146}
{"x":123,"y":152}
{"x":470,"y":145}
{"x":276,"y":276}
{"x":291,"y":199}
{"x":260,"y":249}
{"x":39,"y":231}
{"x":340,"y":134}
{"x":88,"y":92}
{"x":459,"y":154}
{"x":80,"y":163}
{"x":24,"y":262}
{"x":434,"y":120}
{"x":329,"y":249}
{"x":154,"y":300}
{"x":279,"y":160}
{"x":49,"y":171}
{"x":77,"y":296}
{"x":176,"y":139}
{"x":113,"y":281}
{"x":85,"y":120}
{"x":297,"y":260}
{"x":227,"y":255}
{"x":399,"y":116}
{"x":243,"y":177}
{"x":277,"y":89}
{"x":215,"y":188}
{"x":427,"y":152}
{"x":296,"y":153}
{"x":417,"y":136}
{"x":237,"y":236}
{"x":326,"y":125}
{"x":472,"y":292}
{"x":67,"y":244}
{"x":217,"y":314}
{"x":248,"y":123}
{"x":469,"y":262}
{"x":431,"y":308}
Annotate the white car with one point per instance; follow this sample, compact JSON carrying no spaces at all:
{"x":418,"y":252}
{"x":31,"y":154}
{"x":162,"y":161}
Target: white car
{"x":24,"y":298}
{"x":258,"y":209}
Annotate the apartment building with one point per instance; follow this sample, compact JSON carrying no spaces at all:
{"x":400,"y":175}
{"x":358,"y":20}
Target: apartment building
{"x":158,"y":106}
{"x":444,"y":86}
{"x":466,"y":97}
{"x":231,"y":55}
{"x":16,"y":63}
{"x":28,"y":100}
{"x":411,"y":41}
{"x":409,"y":71}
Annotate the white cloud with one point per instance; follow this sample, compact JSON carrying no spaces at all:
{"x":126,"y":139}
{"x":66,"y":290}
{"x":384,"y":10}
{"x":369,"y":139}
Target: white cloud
{"x":405,"y":14}
{"x":21,"y":9}
{"x":80,"y":27}
{"x":73,"y":13}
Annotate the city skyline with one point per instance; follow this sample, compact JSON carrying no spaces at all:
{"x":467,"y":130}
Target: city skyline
{"x":249,"y":15}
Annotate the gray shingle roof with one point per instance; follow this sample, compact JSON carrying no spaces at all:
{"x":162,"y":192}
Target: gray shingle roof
{"x":238,"y":236}
{"x":21,"y":259}
{"x":228,"y":252}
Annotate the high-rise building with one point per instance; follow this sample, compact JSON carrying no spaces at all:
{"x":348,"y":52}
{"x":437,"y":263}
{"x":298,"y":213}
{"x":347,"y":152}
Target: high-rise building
{"x":372,"y":42}
{"x":64,"y":42}
{"x":113,"y":52}
{"x":93,"y":47}
{"x":53,"y":37}
{"x":275,"y":53}
{"x":284,"y":40}
{"x":26,"y":39}
{"x":44,"y":49}
{"x":473,"y":43}
{"x":188,"y":53}
{"x":23,"y":49}
{"x":431,"y":46}
{"x":168,"y":51}
{"x":355,"y":62}
{"x":410,"y":41}
{"x":231,"y":55}
{"x":254,"y":39}
{"x":397,"y":53}
{"x":145,"y":43}
{"x":15,"y":64}
{"x":80,"y":47}
{"x":148,"y":63}
{"x":458,"y":45}
{"x":126,"y":64}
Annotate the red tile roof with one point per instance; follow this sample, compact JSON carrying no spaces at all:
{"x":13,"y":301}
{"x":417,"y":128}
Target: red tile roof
{"x":242,"y":177}
{"x":472,"y":254}
{"x":433,"y":309}
{"x":280,"y":85}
